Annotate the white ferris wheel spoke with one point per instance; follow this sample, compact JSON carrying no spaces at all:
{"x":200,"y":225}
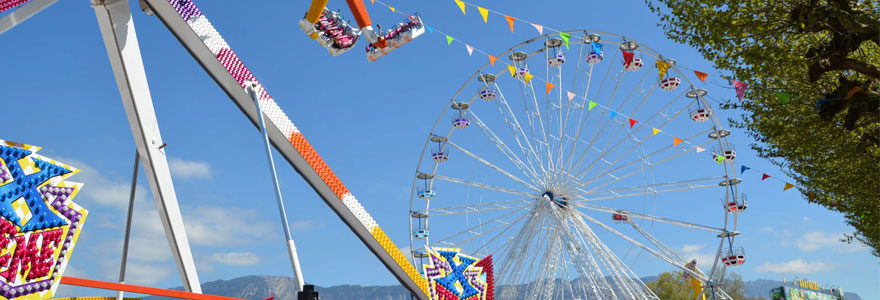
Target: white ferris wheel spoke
{"x":517,"y":132}
{"x":491,"y":165}
{"x":527,"y":170}
{"x":478,"y":208}
{"x":688,"y":184}
{"x":648,"y":217}
{"x":472,"y":228}
{"x":483,"y":186}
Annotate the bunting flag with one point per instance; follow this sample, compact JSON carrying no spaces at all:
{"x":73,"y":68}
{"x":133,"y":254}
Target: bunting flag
{"x":510,"y":22}
{"x":783,"y":97}
{"x":740,"y":89}
{"x":656,"y":131}
{"x":592,"y":104}
{"x":373,"y":1}
{"x":391,"y":8}
{"x":571,"y":96}
{"x":632,"y":122}
{"x":702,"y":76}
{"x":550,"y":86}
{"x":720,"y":159}
{"x":627,"y":57}
{"x":430,"y":29}
{"x":700,"y":149}
{"x":787,"y":186}
{"x":485,"y":13}
{"x":662,"y":67}
{"x":764,"y":176}
{"x":743,"y":169}
{"x":529,"y":77}
{"x":539,"y":28}
{"x":565,"y":37}
{"x":512,"y":70}
{"x":470,"y":49}
{"x":492,"y":60}
{"x":461,"y":5}
{"x":676,"y":141}
{"x":449,"y":40}
{"x":612,"y":114}
{"x":596,"y":48}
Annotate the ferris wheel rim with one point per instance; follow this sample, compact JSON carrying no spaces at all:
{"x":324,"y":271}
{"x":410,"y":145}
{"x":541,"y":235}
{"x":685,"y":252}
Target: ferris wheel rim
{"x":721,"y":140}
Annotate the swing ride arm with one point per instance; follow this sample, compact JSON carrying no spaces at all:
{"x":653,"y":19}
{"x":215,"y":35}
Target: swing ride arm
{"x":207,"y":47}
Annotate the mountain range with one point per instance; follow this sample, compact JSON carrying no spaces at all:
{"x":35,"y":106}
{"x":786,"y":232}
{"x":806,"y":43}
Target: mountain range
{"x":261,"y":287}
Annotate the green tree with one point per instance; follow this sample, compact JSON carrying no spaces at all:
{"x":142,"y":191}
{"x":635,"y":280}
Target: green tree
{"x":670,"y":285}
{"x":825,"y":55}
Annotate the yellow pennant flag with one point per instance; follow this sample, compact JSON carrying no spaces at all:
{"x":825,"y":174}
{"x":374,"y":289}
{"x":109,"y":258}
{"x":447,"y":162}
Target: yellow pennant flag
{"x":485,"y":13}
{"x":787,"y":186}
{"x":529,"y":77}
{"x":676,"y":141}
{"x":656,"y":131}
{"x":550,"y":86}
{"x":461,"y":5}
{"x":662,"y":67}
{"x":391,"y":8}
{"x":512,"y":70}
{"x":373,"y":1}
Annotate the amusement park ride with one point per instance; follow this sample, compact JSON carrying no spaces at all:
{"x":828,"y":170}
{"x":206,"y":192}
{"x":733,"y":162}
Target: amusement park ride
{"x":546,"y":171}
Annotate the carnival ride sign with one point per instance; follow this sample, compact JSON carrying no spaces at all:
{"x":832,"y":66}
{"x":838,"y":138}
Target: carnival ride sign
{"x":455,"y":276}
{"x":39,"y":223}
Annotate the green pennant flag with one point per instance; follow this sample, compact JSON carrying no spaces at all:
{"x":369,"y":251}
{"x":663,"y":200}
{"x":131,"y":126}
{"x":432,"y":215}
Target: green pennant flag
{"x":720,"y":158}
{"x":565,"y":37}
{"x":783,"y":97}
{"x":449,"y":40}
{"x":592,"y":104}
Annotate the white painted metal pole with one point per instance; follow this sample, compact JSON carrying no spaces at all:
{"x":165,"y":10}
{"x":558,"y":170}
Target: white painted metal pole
{"x":134,"y":177}
{"x":291,"y":247}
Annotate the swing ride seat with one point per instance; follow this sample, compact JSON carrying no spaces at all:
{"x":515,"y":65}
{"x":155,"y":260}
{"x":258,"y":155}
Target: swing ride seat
{"x":396,"y":37}
{"x":669,"y":84}
{"x":331,"y":32}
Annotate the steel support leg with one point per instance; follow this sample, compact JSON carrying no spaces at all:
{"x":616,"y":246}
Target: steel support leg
{"x":117,"y":29}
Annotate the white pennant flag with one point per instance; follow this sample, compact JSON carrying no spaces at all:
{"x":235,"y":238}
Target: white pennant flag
{"x":540,"y":28}
{"x":700,"y":149}
{"x":570,"y":96}
{"x":470,"y":49}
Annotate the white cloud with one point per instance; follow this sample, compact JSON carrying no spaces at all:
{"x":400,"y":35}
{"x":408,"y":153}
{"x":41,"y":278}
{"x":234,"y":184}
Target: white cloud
{"x":224,"y":226}
{"x":797,"y":266}
{"x":694,"y":251}
{"x":766,"y":229}
{"x":235,"y":258}
{"x":146,"y":274}
{"x":817,"y":239}
{"x":100,"y":190}
{"x":185,"y":169}
{"x":302,"y":225}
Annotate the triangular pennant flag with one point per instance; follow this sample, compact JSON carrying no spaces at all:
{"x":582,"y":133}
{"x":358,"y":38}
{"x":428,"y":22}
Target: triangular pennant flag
{"x":391,"y":8}
{"x":627,"y":57}
{"x":510,"y":22}
{"x":550,"y":86}
{"x":597,"y":48}
{"x":676,"y":141}
{"x":430,"y":29}
{"x":571,"y":96}
{"x":743,"y":169}
{"x":565,"y":37}
{"x":662,"y":67}
{"x":512,"y":70}
{"x":470,"y":49}
{"x":632,"y":122}
{"x":529,"y":77}
{"x":764,"y":176}
{"x":449,"y":40}
{"x":787,"y":186}
{"x":656,"y":131}
{"x":485,"y":13}
{"x":373,"y":1}
{"x":492,"y":60}
{"x":612,"y":114}
{"x":539,"y":28}
{"x":720,"y":159}
{"x":592,"y":104}
{"x":461,"y":5}
{"x":702,"y":76}
{"x":740,"y":89}
{"x":783,"y":97}
{"x":700,"y":149}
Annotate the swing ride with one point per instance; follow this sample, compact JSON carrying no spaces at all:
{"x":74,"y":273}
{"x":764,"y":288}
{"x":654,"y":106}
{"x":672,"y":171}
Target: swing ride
{"x":521,"y":177}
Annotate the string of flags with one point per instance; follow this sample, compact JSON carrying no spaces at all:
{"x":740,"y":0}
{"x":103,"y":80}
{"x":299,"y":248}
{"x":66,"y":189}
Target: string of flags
{"x":662,"y":68}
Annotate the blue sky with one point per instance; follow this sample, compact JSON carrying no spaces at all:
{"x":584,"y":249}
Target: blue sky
{"x":368,"y":121}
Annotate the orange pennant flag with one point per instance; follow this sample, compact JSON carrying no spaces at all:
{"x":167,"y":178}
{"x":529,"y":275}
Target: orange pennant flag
{"x":373,"y":1}
{"x":492,"y":60}
{"x":676,"y":141}
{"x":787,"y":186}
{"x":702,"y":76}
{"x":510,"y":22}
{"x":550,"y":86}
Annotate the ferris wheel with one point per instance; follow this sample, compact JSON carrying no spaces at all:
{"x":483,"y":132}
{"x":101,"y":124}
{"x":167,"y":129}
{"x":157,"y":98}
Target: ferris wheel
{"x":530,"y":161}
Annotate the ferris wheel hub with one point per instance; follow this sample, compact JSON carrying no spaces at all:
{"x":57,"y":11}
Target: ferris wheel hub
{"x":557,"y":199}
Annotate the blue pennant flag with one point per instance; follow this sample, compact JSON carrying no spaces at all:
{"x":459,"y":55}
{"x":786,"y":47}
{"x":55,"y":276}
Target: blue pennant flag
{"x":597,"y":48}
{"x":430,"y":29}
{"x":743,"y":169}
{"x":612,"y":113}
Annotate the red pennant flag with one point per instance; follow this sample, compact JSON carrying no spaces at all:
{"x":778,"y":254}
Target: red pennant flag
{"x":492,"y":60}
{"x":510,"y":22}
{"x":550,"y":86}
{"x":765,"y":176}
{"x":676,"y":141}
{"x":702,"y":76}
{"x":632,"y":122}
{"x":627,"y":57}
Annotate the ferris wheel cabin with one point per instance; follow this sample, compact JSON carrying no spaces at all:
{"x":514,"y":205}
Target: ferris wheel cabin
{"x":734,"y":256}
{"x":487,"y":93}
